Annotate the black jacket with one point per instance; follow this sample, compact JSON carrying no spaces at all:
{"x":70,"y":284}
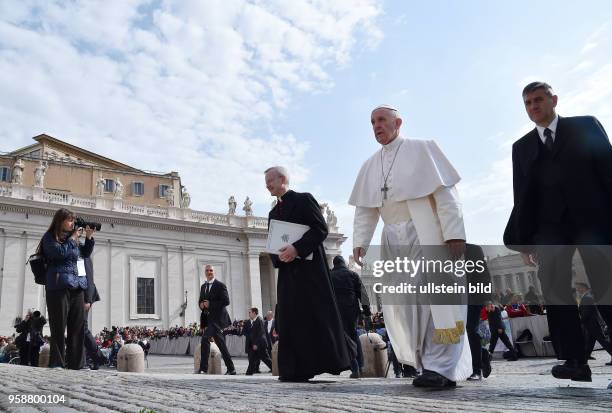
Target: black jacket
{"x":474,"y":253}
{"x":218,"y":299}
{"x":584,"y":154}
{"x":269,"y":337}
{"x":34,"y":327}
{"x":347,"y":288}
{"x":495,"y":319}
{"x":91,"y":293}
{"x":255,"y":334}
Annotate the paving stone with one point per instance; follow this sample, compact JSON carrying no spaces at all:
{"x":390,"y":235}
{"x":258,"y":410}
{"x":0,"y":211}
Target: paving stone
{"x":168,"y":385}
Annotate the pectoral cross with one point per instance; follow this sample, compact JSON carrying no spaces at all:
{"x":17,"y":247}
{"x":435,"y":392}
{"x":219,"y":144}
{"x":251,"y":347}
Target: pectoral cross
{"x":384,"y":190}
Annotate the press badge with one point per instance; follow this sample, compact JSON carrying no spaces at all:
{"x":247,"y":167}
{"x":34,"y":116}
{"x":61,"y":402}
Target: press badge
{"x":81,"y":267}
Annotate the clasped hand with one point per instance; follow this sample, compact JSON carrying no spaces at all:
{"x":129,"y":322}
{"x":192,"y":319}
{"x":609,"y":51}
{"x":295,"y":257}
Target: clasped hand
{"x":287,"y":253}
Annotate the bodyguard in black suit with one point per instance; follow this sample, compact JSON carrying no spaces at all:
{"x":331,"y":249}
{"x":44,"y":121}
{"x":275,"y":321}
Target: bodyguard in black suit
{"x":481,"y":359}
{"x":591,"y":321}
{"x":562,"y":173}
{"x":347,"y":289}
{"x":256,"y":346}
{"x":91,"y":296}
{"x":270,"y":327}
{"x":214,"y":318}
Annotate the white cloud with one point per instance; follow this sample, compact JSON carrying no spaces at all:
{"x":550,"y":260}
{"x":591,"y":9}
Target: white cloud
{"x":175,"y":85}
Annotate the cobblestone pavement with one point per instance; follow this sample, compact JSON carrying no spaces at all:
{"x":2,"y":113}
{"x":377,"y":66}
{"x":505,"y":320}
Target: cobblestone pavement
{"x":169,"y":386}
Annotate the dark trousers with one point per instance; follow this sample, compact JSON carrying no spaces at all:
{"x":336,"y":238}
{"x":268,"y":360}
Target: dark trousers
{"x":28,"y":354}
{"x":473,"y":321}
{"x":555,"y":274}
{"x":359,"y":353}
{"x":66,"y":311}
{"x":593,"y":333}
{"x":216,"y":334}
{"x":256,"y":356}
{"x":91,"y":349}
{"x":504,"y":338}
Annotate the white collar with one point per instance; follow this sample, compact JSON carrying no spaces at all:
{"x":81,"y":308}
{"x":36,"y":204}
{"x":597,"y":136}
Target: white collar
{"x":394,"y":144}
{"x":552,"y":126}
{"x":210,"y":282}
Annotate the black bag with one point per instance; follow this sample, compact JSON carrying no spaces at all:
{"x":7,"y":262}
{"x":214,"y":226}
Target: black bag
{"x":38,"y":264}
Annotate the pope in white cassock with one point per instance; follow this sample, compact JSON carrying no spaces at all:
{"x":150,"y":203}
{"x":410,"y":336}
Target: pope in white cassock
{"x":411,"y":185}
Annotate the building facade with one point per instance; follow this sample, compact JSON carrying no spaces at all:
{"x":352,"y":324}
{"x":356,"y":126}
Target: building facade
{"x":150,"y":254}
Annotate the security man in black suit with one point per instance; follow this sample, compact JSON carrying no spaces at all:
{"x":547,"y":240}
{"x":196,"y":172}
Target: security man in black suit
{"x":255,"y":343}
{"x":214,"y":318}
{"x":91,"y":296}
{"x":591,"y":321}
{"x":481,"y":359}
{"x":270,"y":327}
{"x":562,"y":173}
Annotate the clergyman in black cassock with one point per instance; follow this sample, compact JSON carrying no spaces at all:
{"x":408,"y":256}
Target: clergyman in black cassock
{"x":310,"y":332}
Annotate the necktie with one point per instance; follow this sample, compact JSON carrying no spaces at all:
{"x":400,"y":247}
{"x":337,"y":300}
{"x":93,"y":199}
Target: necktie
{"x":207,"y":288}
{"x":549,"y":140}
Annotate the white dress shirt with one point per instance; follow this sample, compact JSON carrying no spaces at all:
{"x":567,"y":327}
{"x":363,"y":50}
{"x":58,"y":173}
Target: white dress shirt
{"x":552,"y":127}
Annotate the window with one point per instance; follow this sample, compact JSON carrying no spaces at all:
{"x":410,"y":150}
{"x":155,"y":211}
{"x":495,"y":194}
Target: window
{"x":163,"y":190}
{"x":4,"y":174}
{"x":138,"y":188}
{"x":145,"y":295}
{"x":109,"y":185}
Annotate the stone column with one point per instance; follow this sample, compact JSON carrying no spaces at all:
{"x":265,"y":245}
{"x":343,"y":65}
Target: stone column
{"x":254,"y":280}
{"x":119,"y":285}
{"x":237,"y":285}
{"x":192,"y":285}
{"x":13,"y":277}
{"x":32,"y":294}
{"x":165,"y":292}
{"x":175,"y":285}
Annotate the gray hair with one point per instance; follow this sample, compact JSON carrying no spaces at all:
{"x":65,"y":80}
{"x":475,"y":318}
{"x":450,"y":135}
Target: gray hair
{"x":533,"y":86}
{"x":280,"y":170}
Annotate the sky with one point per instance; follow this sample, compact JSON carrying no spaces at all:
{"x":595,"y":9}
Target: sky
{"x":221,"y":90}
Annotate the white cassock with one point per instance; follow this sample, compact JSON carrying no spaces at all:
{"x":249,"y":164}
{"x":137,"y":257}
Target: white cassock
{"x":421,"y":208}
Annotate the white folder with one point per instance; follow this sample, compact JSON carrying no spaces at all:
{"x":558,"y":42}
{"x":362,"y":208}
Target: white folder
{"x":282,"y":233}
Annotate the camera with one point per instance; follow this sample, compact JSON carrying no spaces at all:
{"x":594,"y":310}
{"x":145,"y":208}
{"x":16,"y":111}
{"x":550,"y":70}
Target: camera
{"x":79,"y":222}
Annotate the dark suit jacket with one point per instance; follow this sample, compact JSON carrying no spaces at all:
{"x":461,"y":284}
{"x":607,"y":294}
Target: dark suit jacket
{"x":474,"y":253}
{"x":218,"y":299}
{"x":584,"y":153}
{"x":91,"y":293}
{"x":271,"y":340}
{"x":255,"y":334}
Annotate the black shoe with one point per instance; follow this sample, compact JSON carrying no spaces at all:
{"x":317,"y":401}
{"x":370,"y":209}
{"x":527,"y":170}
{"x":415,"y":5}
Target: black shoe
{"x":355,"y":375}
{"x":230,"y":373}
{"x":609,"y":363}
{"x":572,"y":370}
{"x":486,"y":364}
{"x":286,"y":379}
{"x":432,"y":379}
{"x":248,"y":373}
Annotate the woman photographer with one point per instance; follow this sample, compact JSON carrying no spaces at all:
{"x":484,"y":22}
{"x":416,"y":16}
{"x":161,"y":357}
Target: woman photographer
{"x":65,"y":288}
